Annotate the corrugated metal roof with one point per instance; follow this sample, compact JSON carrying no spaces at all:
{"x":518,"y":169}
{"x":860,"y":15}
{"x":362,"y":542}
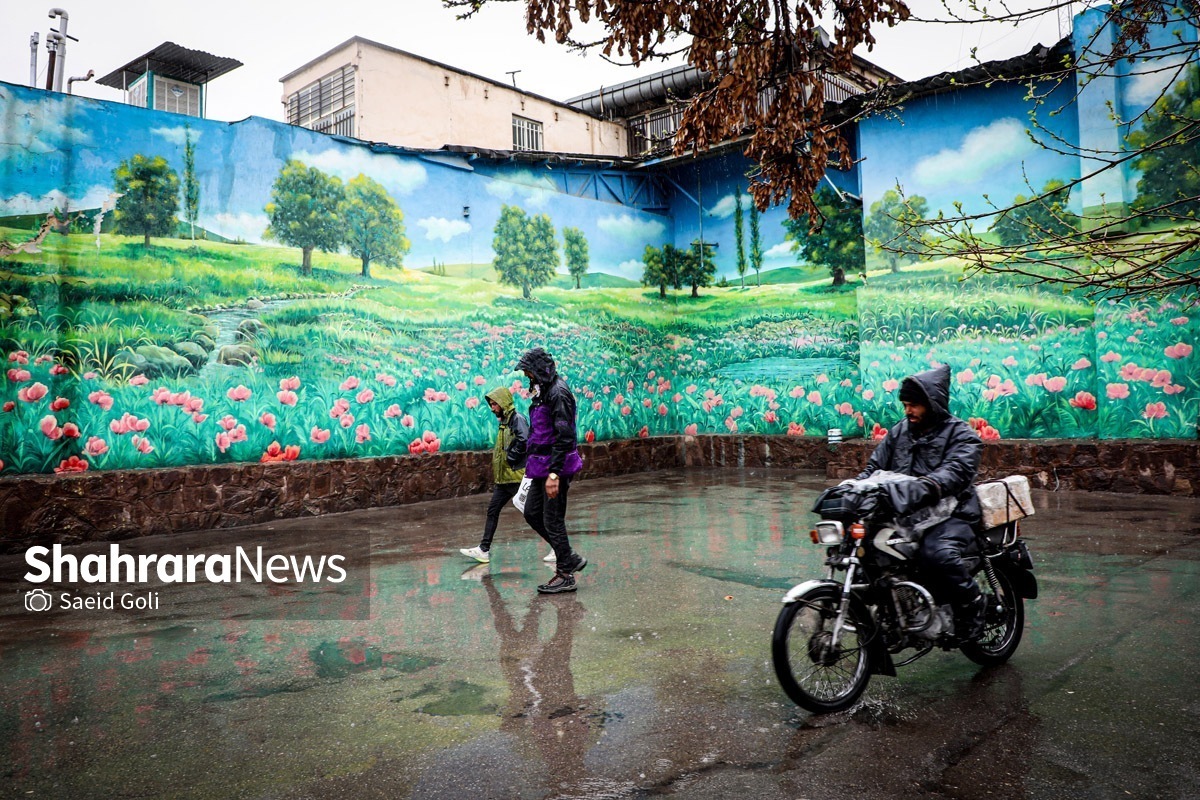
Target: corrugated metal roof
{"x":172,"y":61}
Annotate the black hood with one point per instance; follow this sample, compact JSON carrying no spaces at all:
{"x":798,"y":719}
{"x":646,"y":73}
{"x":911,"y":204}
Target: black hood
{"x":538,"y":363}
{"x":935,"y":385}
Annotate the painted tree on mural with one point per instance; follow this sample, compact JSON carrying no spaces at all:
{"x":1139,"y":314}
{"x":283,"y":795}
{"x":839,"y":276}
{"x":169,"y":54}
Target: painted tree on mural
{"x":575,"y":252}
{"x":526,"y":249}
{"x":739,"y":235}
{"x":1169,"y":177}
{"x":191,"y":185}
{"x":889,"y":227}
{"x":837,"y":242}
{"x":1032,"y":219}
{"x":374,"y":224}
{"x":697,"y":267}
{"x":663,"y":267}
{"x":303,"y":211}
{"x":149,"y":197}
{"x":756,"y":249}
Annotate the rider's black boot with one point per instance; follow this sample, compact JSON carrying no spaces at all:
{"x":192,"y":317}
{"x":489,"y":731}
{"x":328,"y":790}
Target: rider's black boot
{"x":969,"y":619}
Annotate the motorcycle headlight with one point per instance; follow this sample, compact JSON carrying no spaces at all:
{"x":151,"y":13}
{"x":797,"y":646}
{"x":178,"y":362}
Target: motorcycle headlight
{"x":827,"y":532}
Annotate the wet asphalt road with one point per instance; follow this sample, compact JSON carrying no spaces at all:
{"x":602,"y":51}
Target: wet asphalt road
{"x":654,"y":679}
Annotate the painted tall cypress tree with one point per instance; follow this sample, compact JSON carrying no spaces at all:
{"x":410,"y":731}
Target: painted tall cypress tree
{"x":756,"y":251}
{"x":191,"y":186}
{"x":739,"y":234}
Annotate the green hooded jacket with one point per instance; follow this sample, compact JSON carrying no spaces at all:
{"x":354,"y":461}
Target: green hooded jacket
{"x":508,"y":456}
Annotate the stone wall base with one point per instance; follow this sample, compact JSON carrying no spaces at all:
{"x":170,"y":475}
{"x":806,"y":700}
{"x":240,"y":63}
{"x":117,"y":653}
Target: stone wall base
{"x":113,"y":505}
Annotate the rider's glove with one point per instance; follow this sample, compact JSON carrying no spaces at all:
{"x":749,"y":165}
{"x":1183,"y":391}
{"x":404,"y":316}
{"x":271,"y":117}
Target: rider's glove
{"x":933,"y":492}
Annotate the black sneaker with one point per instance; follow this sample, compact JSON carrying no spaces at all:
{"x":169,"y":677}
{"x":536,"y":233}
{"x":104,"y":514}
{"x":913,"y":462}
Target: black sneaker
{"x":561,"y":582}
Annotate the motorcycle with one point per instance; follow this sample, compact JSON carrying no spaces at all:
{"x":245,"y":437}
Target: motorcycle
{"x":834,"y":633}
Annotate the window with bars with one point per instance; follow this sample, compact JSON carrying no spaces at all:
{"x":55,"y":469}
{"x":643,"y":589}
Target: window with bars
{"x":527,"y":133}
{"x":323,"y":101}
{"x":176,"y":97}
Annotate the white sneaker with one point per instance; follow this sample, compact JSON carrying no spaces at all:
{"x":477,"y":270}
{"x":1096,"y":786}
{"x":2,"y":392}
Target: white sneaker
{"x":551,"y":557}
{"x":476,"y":553}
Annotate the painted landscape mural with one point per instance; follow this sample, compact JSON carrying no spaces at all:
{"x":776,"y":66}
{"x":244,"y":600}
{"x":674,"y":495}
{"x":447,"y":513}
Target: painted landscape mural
{"x":179,"y":291}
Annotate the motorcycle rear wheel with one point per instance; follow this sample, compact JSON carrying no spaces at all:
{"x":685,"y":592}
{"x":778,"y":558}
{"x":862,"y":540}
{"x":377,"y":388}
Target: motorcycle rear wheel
{"x":1004,"y":623}
{"x":816,"y":676}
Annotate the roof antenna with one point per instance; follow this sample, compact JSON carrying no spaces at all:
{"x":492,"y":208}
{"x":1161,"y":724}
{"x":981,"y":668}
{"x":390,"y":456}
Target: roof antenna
{"x":512,"y":73}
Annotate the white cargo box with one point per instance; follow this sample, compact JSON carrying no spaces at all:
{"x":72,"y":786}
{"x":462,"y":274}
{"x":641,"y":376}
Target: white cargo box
{"x":1004,"y":500}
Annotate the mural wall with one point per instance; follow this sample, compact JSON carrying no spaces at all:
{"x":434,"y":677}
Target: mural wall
{"x":178,"y":291}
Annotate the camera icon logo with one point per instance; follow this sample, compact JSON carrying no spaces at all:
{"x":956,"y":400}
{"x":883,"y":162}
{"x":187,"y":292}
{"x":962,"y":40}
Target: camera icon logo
{"x":38,"y":600}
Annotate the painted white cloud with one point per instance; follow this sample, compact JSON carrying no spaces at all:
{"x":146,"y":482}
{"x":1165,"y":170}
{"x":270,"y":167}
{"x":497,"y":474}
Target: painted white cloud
{"x":39,"y":126}
{"x":631,"y":229}
{"x":984,"y":149}
{"x":1153,"y":77}
{"x":398,"y":175}
{"x":725,"y":207}
{"x":523,"y":188}
{"x":440,"y":228}
{"x":783,"y":250}
{"x":245,"y":226}
{"x":632,"y":269}
{"x":177,"y":135}
{"x":24,"y":203}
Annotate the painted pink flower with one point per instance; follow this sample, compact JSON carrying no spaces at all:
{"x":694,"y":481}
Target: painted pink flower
{"x":142,"y":444}
{"x":319,"y":435}
{"x":1117,"y":391}
{"x":350,"y":384}
{"x":1010,"y":361}
{"x":432,"y":442}
{"x":844,"y":408}
{"x":644,"y":433}
{"x":1155,"y":410}
{"x":101,"y":398}
{"x":162,"y":395}
{"x":1174,"y":388}
{"x":891,"y":385}
{"x":19,"y":357}
{"x":228,"y":422}
{"x":626,"y":411}
{"x":238,"y":394}
{"x":461,"y":386}
{"x":1055,"y":384}
{"x":869,"y":394}
{"x":1179,"y":321}
{"x":70,"y":430}
{"x":472,"y":402}
{"x":731,"y":424}
{"x":822,"y":378}
{"x":691,"y":388}
{"x":9,"y":406}
{"x":966,"y":376}
{"x":346,"y":420}
{"x":223,"y":441}
{"x":365,"y":396}
{"x":1082,"y":363}
{"x":416,"y":447}
{"x":1037,"y":379}
{"x":691,"y":430}
{"x":393,"y":411}
{"x":268,"y":420}
{"x":18,"y":375}
{"x":770,"y":417}
{"x":1161,"y":378}
{"x":736,"y":412}
{"x":59,"y":369}
{"x":362,"y":433}
{"x":90,"y":376}
{"x":1084,"y":400}
{"x":590,"y":436}
{"x":479,"y":381}
{"x":60,"y":403}
{"x":1110,"y":357}
{"x":95,"y":446}
{"x":647,"y":402}
{"x":1180,"y":350}
{"x":814,"y":397}
{"x":340,"y":406}
{"x":49,"y":426}
{"x":407,"y":421}
{"x":878,"y":431}
{"x":596,"y":406}
{"x":662,"y":409}
{"x":181,"y":399}
{"x":795,"y":429}
{"x":238,"y":434}
{"x":192,"y":405}
{"x":72,"y":464}
{"x":138,"y":380}
{"x":32,"y":393}
{"x":198,"y":418}
{"x":289,"y":384}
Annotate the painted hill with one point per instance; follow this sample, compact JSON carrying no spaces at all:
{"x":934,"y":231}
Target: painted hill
{"x":484,"y":272}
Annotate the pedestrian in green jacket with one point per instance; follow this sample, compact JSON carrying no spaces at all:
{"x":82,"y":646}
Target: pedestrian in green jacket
{"x":508,"y":465}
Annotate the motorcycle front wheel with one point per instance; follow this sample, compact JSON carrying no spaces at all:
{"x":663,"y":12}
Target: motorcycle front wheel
{"x":1003,"y":624}
{"x":817,"y":674}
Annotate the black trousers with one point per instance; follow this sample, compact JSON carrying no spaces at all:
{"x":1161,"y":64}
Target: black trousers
{"x":548,"y":516}
{"x":942,"y":564}
{"x":502,"y":495}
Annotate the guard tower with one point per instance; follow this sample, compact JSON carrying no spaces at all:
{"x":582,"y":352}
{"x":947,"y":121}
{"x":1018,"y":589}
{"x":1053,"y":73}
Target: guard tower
{"x":170,"y":78}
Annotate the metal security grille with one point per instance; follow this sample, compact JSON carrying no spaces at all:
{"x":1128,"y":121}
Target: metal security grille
{"x":316,"y":105}
{"x":527,"y":134}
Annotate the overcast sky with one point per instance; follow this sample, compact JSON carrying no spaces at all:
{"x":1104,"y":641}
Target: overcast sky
{"x":273,"y":37}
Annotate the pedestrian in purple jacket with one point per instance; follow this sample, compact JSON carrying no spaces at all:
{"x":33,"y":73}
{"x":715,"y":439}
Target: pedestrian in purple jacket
{"x":553,"y":463}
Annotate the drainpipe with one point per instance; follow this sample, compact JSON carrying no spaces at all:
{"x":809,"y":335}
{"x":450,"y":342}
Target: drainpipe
{"x":84,"y":78}
{"x":53,"y":41}
{"x":61,"y":46}
{"x":33,"y":44}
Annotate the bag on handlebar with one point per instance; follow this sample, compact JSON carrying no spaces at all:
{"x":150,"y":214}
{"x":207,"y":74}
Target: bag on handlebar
{"x":849,"y":502}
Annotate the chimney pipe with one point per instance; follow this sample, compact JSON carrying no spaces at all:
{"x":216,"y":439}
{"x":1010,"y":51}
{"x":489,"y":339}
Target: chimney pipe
{"x":91,"y":74}
{"x":61,"y":47}
{"x":34,"y":40}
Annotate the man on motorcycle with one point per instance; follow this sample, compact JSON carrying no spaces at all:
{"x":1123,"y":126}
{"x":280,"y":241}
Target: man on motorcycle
{"x":943,"y":452}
